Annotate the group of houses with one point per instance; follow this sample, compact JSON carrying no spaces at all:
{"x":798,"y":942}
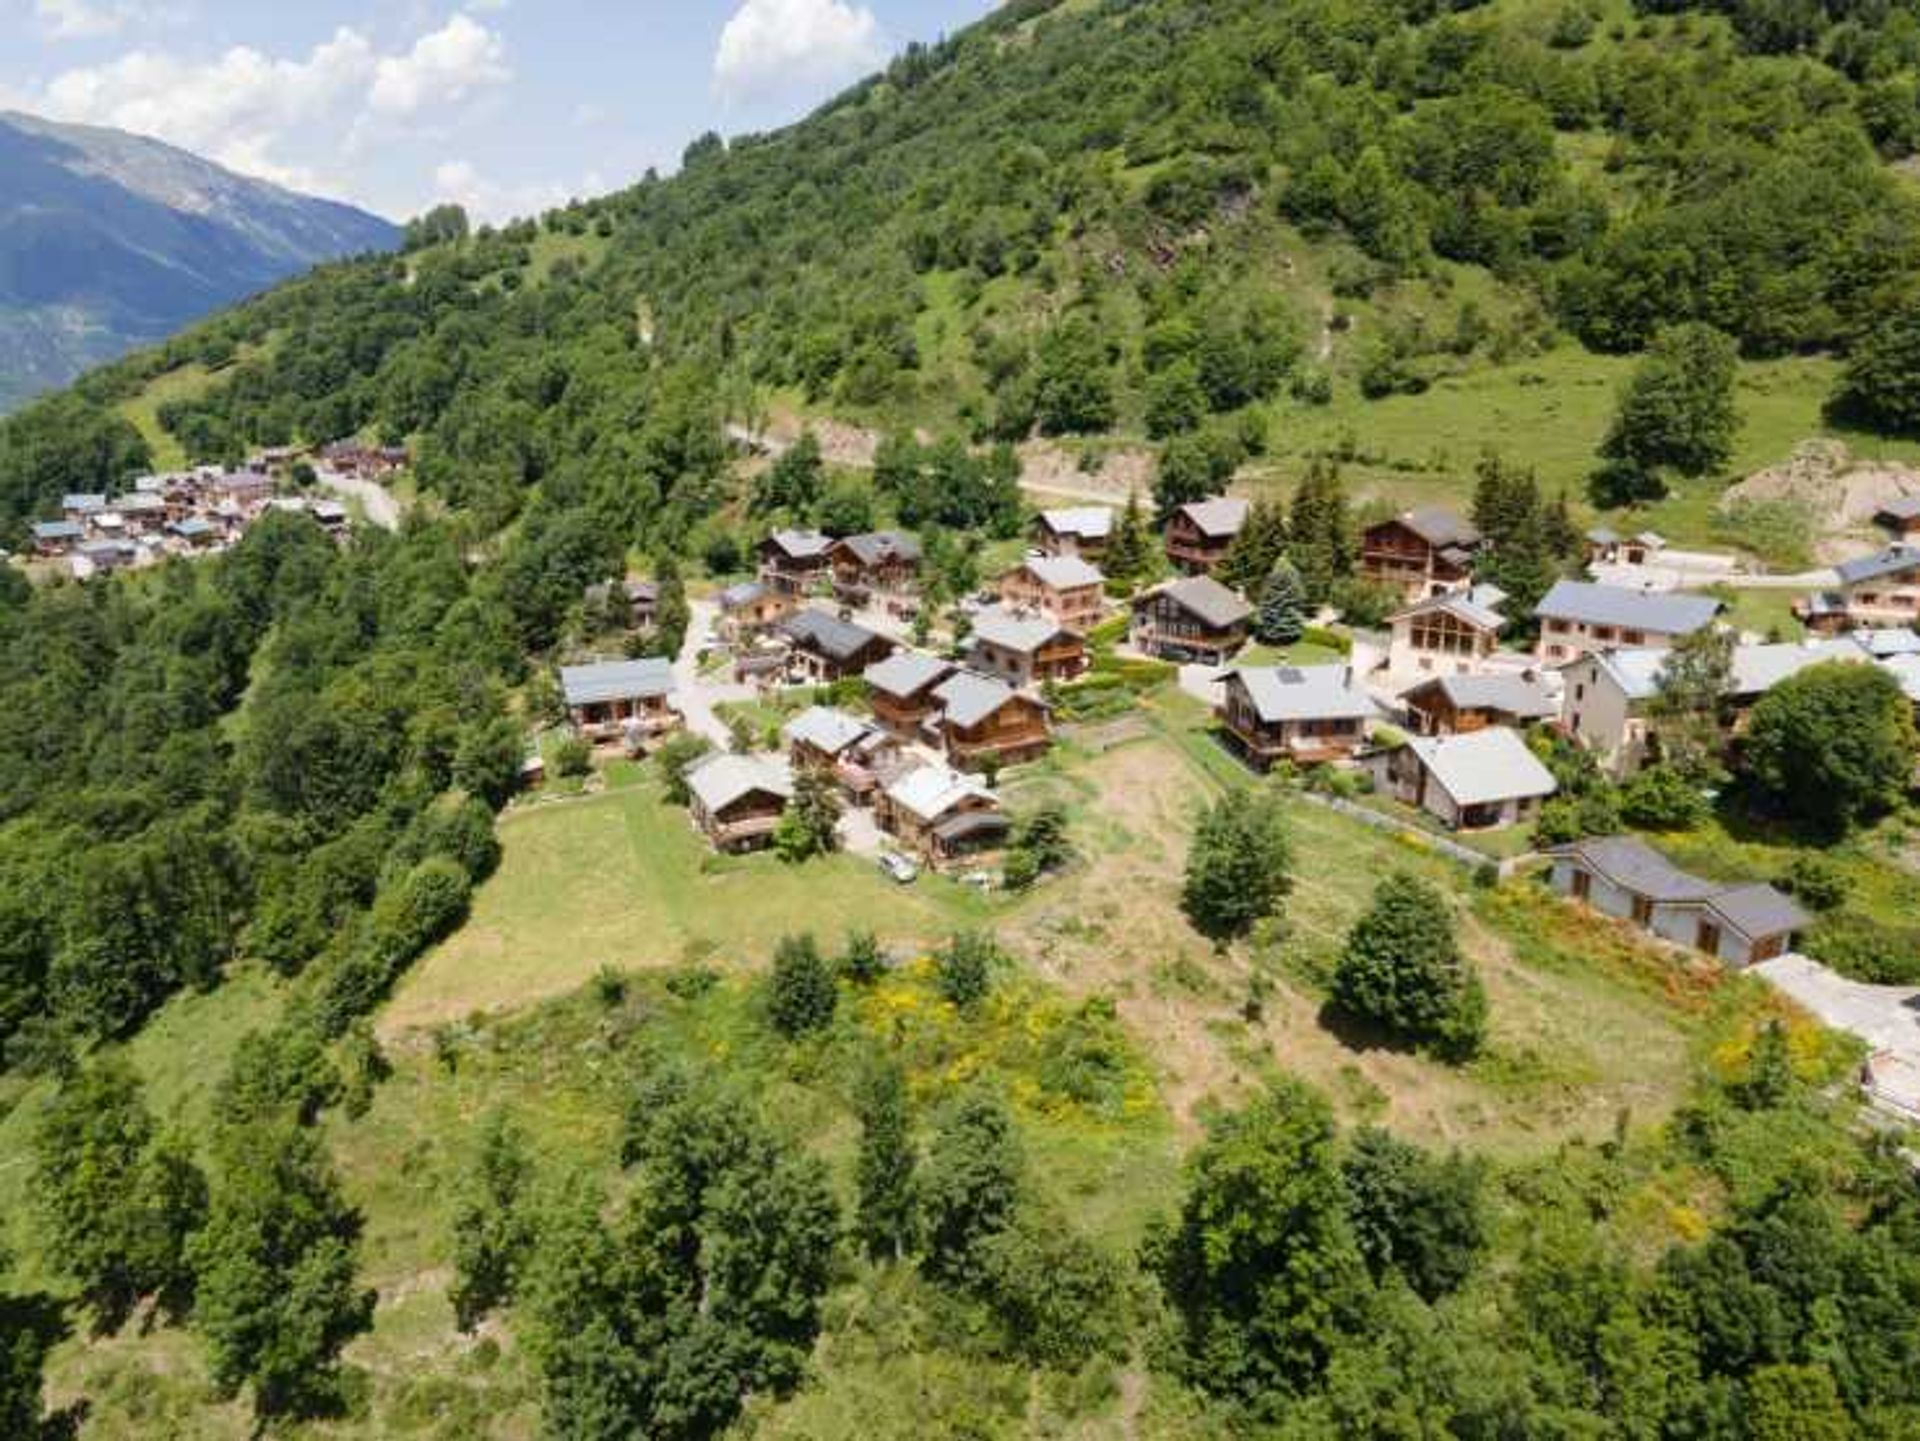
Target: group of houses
{"x":188,"y":512}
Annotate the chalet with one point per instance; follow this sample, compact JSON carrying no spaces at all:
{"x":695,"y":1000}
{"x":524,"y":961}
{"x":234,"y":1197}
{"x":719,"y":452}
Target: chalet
{"x":1885,"y":644}
{"x":194,"y":532}
{"x":1450,"y":633}
{"x":103,"y":557}
{"x":1901,"y":516}
{"x":901,"y":691}
{"x":983,"y":721}
{"x":57,"y":537}
{"x":1462,"y":704}
{"x":1878,"y":590}
{"x":1195,"y":619}
{"x":348,"y":457}
{"x":887,"y":562}
{"x":146,"y":514}
{"x":1626,"y":878}
{"x":1083,"y":530}
{"x":1025,"y":649}
{"x":1604,"y":704}
{"x":823,"y":648}
{"x":1577,"y":617}
{"x":751,"y":609}
{"x":737,"y":800}
{"x":941,"y":814}
{"x":1307,"y":715}
{"x":1420,"y":553}
{"x":794,"y":561}
{"x":842,"y":745}
{"x":81,"y":509}
{"x":329,"y":515}
{"x":1609,"y":547}
{"x":1200,"y":534}
{"x":1063,"y":588}
{"x":626,"y":700}
{"x":633,"y":604}
{"x":242,"y":488}
{"x":1480,"y":781}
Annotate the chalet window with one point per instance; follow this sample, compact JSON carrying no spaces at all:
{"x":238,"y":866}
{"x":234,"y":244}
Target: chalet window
{"x":1603,"y":632}
{"x":1633,"y":637}
{"x":1580,"y":691}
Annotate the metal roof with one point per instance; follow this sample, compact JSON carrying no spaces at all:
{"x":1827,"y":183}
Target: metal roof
{"x":616,"y":680}
{"x":882,"y":545}
{"x":1887,"y":642}
{"x":58,"y":530}
{"x":1315,"y":692}
{"x":1633,"y":865}
{"x":932,"y":791}
{"x":1462,"y":608}
{"x":1484,"y":766}
{"x":1205,"y":597}
{"x":720,"y":780}
{"x":1891,"y":561}
{"x":970,"y":697}
{"x":1061,"y":572}
{"x":827,"y":634}
{"x":1662,"y":614}
{"x":801,"y":544}
{"x":906,"y":673}
{"x":737,"y":597}
{"x":1439,"y":527}
{"x":1757,"y":669}
{"x":1905,"y":507}
{"x":1223,"y":515}
{"x":1759,"y":911}
{"x":1089,"y":522}
{"x":1513,"y":695}
{"x":84,"y":502}
{"x":1023,"y":634}
{"x":826,"y":729}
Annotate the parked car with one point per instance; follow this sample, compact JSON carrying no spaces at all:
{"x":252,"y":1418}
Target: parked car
{"x":898,"y":868}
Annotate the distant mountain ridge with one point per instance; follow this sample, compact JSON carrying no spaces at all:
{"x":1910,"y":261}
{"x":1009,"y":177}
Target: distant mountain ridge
{"x":110,"y":241}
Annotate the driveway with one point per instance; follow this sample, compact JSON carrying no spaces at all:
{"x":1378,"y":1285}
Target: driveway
{"x":695,"y":695}
{"x":1887,"y":1018}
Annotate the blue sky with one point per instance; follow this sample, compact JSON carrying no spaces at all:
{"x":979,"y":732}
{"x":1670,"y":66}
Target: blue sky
{"x":507,"y":106}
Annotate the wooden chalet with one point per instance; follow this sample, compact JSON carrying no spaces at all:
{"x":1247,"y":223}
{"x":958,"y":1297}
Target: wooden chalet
{"x":1083,"y":530}
{"x":840,"y":745}
{"x":884,"y":562}
{"x":1193,"y":620}
{"x":1420,"y":553}
{"x":1200,"y":534}
{"x":1900,"y":516}
{"x":1462,"y":704}
{"x":626,"y":700}
{"x":57,"y":537}
{"x":1609,"y":547}
{"x":751,"y":609}
{"x":1453,"y":632}
{"x":901,"y":691}
{"x":1482,"y":781}
{"x":1025,"y":648}
{"x":1064,"y":588}
{"x":795,"y":561}
{"x":1307,"y":715}
{"x":982,"y":720}
{"x":736,"y":801}
{"x":1875,"y":592}
{"x":822,"y":648}
{"x":941,"y":815}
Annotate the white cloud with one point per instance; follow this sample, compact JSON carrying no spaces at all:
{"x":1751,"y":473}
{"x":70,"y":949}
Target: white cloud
{"x":84,"y":19}
{"x":250,"y":110}
{"x":780,"y":47}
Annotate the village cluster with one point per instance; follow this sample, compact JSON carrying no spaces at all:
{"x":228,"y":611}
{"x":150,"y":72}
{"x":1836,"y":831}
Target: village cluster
{"x":198,"y":511}
{"x":1433,"y":713}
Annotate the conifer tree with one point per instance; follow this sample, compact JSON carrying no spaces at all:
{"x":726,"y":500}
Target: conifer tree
{"x":1403,"y":969}
{"x":1129,"y":556}
{"x":803,"y":996}
{"x":1282,"y":617}
{"x":1320,"y":529}
{"x":888,"y":1204}
{"x":1261,"y":542}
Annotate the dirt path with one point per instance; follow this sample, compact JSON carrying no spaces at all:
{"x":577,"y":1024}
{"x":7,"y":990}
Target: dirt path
{"x":379,"y":503}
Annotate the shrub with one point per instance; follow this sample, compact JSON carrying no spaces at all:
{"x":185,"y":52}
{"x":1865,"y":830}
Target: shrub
{"x":1661,"y":799}
{"x":1403,"y":969}
{"x":570,"y":756}
{"x":802,"y":996}
{"x":1818,"y":881}
{"x":863,"y":962}
{"x":1866,"y":950}
{"x":965,"y":966}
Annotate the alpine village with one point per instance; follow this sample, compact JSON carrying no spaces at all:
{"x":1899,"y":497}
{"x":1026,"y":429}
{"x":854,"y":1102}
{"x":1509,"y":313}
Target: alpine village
{"x":1193,"y":720}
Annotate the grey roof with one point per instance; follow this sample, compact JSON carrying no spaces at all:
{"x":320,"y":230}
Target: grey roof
{"x":1759,"y":911}
{"x":1023,"y":634}
{"x":1484,"y":767}
{"x":906,"y":673}
{"x":969,"y":697}
{"x":1315,"y":692}
{"x":1221,"y":516}
{"x":1062,"y":572}
{"x":1633,"y":865}
{"x":969,"y":824}
{"x":1887,"y":642}
{"x":882,"y":545}
{"x":1906,"y":670}
{"x":1757,"y":669}
{"x":616,"y":680}
{"x":1089,"y":522}
{"x":801,"y":544}
{"x":85,"y":502}
{"x":933,"y":790}
{"x":1205,"y":597}
{"x":1905,"y":507}
{"x":827,"y":634}
{"x":140,"y":503}
{"x":720,"y":780}
{"x":1659,"y":613}
{"x":1891,"y":561}
{"x":738,"y":597}
{"x":1440,"y":527}
{"x":58,"y":530}
{"x":826,"y":729}
{"x":1512,"y":695}
{"x":191,"y":526}
{"x":1462,"y":607}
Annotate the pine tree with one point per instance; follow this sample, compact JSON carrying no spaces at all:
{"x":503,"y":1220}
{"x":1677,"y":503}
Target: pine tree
{"x":672,"y":614}
{"x":1321,"y":541}
{"x":888,"y":1199}
{"x":1261,"y":542}
{"x":803,"y":996}
{"x":1282,"y":617}
{"x":493,"y":1232}
{"x":1129,"y":555}
{"x":809,"y":826}
{"x":1402,"y":968}
{"x":1239,"y":868}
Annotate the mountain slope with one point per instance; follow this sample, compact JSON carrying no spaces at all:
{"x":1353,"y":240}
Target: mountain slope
{"x":109,"y":241}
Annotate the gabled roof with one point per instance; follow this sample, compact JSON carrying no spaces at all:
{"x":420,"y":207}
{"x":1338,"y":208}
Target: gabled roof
{"x":721,"y":780}
{"x":1906,"y":670}
{"x":616,"y":680}
{"x":879,"y":546}
{"x":1462,"y":608}
{"x":1905,"y":507}
{"x":1204,"y":597}
{"x":827,"y":730}
{"x":1887,"y":642}
{"x":1891,"y":561}
{"x":906,"y":673}
{"x":1660,"y":613}
{"x":84,"y":502}
{"x":1022,"y":634}
{"x":1512,"y":695}
{"x":1484,"y":767}
{"x":1601,"y":535}
{"x":1757,"y":669}
{"x":969,"y":697}
{"x":1088,"y":522}
{"x":1759,"y":911}
{"x":1315,"y":692}
{"x":191,"y":526}
{"x":825,"y":634}
{"x":739,"y":597}
{"x":58,"y":530}
{"x":800,"y":544}
{"x":1219,"y":518}
{"x":1633,"y":865}
{"x":1439,"y":527}
{"x":1061,"y":572}
{"x":932,"y":791}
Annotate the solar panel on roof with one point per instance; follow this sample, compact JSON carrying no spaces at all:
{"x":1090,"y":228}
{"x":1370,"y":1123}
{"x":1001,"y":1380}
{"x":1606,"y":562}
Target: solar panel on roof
{"x":1289,"y":676}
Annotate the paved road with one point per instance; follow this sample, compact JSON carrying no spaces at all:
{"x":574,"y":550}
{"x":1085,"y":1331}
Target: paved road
{"x":1887,"y":1018}
{"x":375,"y":499}
{"x":696,"y":695}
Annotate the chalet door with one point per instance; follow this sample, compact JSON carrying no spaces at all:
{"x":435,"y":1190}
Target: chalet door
{"x":1642,"y":912}
{"x":1709,"y":938}
{"x":1582,"y":886}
